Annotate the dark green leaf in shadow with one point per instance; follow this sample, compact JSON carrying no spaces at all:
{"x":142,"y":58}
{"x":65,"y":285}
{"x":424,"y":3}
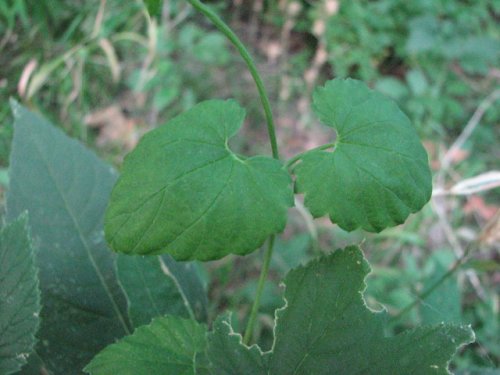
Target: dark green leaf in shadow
{"x":154,"y":7}
{"x":19,"y":296}
{"x":65,"y":188}
{"x":187,"y":275}
{"x":157,"y":286}
{"x":169,"y":345}
{"x":229,"y":356}
{"x":291,"y":253}
{"x":444,"y":304}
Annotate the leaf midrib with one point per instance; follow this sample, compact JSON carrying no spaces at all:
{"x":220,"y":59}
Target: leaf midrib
{"x":159,"y":191}
{"x":80,"y":235}
{"x":310,"y":347}
{"x":166,"y":270}
{"x":388,"y":150}
{"x":205,"y":212}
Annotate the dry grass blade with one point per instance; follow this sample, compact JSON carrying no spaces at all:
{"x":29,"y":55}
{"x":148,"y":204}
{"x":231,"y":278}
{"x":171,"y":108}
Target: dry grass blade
{"x":483,"y":182}
{"x":25,"y":77}
{"x":114,"y":64}
{"x":490,"y":235}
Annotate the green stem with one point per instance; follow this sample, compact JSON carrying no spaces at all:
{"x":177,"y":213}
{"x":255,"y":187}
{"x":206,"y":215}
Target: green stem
{"x":266,"y":105}
{"x":260,"y":288}
{"x":297,"y":157}
{"x":456,"y":265}
{"x":221,"y":25}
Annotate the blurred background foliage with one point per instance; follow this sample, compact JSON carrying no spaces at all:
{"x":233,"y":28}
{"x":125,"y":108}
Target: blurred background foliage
{"x":107,"y":73}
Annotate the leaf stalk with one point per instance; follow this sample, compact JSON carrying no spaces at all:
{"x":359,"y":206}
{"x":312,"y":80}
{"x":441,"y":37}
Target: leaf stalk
{"x":266,"y":105}
{"x":260,"y":288}
{"x":297,"y":157}
{"x":226,"y":30}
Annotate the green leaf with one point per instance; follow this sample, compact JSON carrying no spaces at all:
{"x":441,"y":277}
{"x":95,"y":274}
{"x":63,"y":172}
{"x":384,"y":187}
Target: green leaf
{"x":326,"y":328}
{"x":378,"y":172}
{"x":4,"y":178}
{"x":229,"y":356}
{"x":291,"y":253}
{"x":392,"y":87}
{"x":479,"y":371}
{"x":157,"y":286}
{"x":417,"y":82}
{"x":169,"y":345}
{"x":188,"y":277}
{"x":444,"y":304}
{"x":19,"y":296}
{"x":65,"y":189}
{"x":154,"y":7}
{"x":184,"y":192}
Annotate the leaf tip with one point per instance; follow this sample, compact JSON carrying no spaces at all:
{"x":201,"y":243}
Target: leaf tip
{"x":15,"y":106}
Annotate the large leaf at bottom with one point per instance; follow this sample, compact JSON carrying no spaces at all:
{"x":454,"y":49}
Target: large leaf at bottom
{"x":158,"y":285}
{"x":65,"y":189}
{"x":169,"y":345}
{"x":325,"y":327}
{"x":378,"y":172}
{"x":184,"y":192}
{"x":19,"y":296}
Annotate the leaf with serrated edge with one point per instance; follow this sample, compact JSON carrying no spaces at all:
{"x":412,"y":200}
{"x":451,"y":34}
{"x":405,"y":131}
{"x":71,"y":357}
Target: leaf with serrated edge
{"x":326,"y":328}
{"x":185,"y":193}
{"x":65,"y":188}
{"x":169,"y":345}
{"x":154,"y":288}
{"x":227,"y":353}
{"x":19,"y":296}
{"x":378,"y":172}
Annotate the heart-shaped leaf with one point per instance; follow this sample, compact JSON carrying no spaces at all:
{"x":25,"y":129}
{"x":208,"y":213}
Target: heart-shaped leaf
{"x":378,"y":172}
{"x":184,"y":192}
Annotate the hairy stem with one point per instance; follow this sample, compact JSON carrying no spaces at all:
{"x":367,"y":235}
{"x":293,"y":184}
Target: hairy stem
{"x":266,"y":105}
{"x":260,"y":288}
